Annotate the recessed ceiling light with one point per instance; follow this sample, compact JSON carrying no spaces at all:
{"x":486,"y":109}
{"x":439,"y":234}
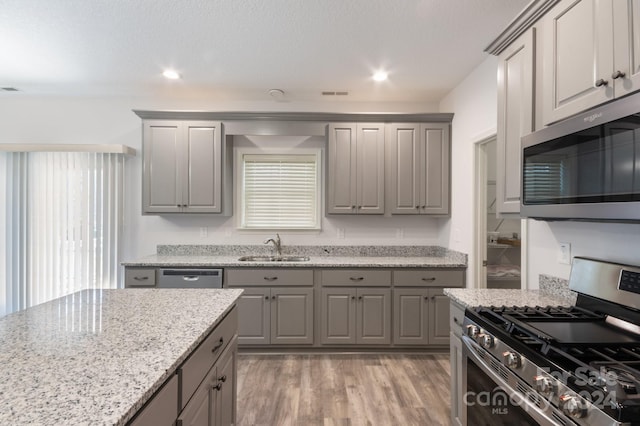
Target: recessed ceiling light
{"x":171,"y":74}
{"x":380,"y":76}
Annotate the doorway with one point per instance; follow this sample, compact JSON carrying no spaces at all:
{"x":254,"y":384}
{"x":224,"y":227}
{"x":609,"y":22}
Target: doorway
{"x":498,"y":240}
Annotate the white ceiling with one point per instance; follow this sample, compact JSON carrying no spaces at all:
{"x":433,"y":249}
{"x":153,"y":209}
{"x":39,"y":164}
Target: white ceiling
{"x":239,"y":49}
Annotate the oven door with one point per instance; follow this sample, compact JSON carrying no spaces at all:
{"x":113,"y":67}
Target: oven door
{"x":490,"y":397}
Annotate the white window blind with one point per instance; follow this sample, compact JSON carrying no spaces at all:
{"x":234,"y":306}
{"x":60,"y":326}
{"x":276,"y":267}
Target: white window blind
{"x":64,"y":220}
{"x":280,"y":191}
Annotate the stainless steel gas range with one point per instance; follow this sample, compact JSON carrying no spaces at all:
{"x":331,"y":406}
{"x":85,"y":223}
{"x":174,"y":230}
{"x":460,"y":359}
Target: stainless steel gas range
{"x":558,"y":365}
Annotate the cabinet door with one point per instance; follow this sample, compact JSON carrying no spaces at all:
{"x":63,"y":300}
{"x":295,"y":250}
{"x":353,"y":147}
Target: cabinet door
{"x":203,"y":175}
{"x":578,"y":57}
{"x":162,"y":410}
{"x":439,"y":328}
{"x":342,"y":163}
{"x":292,"y":315}
{"x":404,"y":154}
{"x":163,"y":166}
{"x":254,"y":317}
{"x":515,"y":118}
{"x":225,"y":407}
{"x":458,"y":408}
{"x":370,"y":169}
{"x":410,"y":316}
{"x":626,"y":36}
{"x":338,"y":316}
{"x":434,"y":170}
{"x":373,"y":316}
{"x":200,"y":409}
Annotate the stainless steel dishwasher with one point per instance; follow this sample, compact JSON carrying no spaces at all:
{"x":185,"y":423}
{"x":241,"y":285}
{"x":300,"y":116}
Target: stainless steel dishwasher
{"x":190,"y":278}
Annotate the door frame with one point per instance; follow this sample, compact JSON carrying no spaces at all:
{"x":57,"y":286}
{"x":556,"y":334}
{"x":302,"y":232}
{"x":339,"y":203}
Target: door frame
{"x":479,"y":253}
{"x":480,"y":208}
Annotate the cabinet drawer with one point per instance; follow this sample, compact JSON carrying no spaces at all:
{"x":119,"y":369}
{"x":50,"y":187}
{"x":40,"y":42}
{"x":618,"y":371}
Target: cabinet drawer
{"x":140,"y":277}
{"x":456,"y":316}
{"x":269,"y":276}
{"x":196,"y":366}
{"x":356,"y":277}
{"x":428,"y":278}
{"x":162,"y":409}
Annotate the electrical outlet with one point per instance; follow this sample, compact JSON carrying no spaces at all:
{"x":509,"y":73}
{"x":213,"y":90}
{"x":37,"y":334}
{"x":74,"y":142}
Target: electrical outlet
{"x":340,"y":232}
{"x":399,"y":233}
{"x":204,"y":232}
{"x":565,"y":254}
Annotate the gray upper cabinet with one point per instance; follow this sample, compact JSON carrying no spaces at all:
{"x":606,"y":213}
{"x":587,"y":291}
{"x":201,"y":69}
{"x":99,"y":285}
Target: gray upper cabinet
{"x":355,"y":175}
{"x":591,"y":55}
{"x":182,"y":166}
{"x":515,"y":118}
{"x":419,"y":168}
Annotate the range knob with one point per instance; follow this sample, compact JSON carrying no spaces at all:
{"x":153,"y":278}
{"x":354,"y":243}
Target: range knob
{"x":572,"y":406}
{"x":512,"y":359}
{"x":473,"y":331}
{"x":487,"y":340}
{"x":546,"y":386}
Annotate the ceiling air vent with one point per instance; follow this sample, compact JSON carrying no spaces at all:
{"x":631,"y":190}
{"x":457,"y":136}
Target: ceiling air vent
{"x":9,"y":89}
{"x":332,"y":93}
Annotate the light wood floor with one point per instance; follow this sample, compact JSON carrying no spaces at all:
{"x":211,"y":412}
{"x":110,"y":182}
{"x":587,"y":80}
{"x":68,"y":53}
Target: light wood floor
{"x":344,"y":389}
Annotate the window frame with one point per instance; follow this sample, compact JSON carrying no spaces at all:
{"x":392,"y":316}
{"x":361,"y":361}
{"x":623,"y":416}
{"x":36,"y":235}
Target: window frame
{"x":238,"y":193}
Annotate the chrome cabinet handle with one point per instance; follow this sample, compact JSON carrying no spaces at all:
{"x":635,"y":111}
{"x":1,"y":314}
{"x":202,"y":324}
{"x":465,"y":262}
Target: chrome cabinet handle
{"x":218,"y":386}
{"x":430,"y":279}
{"x":140,"y":278}
{"x":353,"y":298}
{"x":356,"y":278}
{"x":617,"y":74}
{"x":270,"y":278}
{"x":223,"y":378}
{"x":601,"y":82}
{"x":456,"y":320}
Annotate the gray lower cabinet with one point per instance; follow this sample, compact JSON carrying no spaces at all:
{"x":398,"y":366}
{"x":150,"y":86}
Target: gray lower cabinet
{"x":213,"y":403}
{"x":356,"y":316}
{"x":270,"y":315}
{"x":202,"y":391}
{"x":458,"y":386}
{"x":421,"y":316}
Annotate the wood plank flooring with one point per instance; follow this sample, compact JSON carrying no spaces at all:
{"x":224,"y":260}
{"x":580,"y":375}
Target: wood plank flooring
{"x":345,"y":389}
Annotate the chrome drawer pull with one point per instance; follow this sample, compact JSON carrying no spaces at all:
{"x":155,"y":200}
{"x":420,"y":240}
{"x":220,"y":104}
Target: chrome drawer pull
{"x":190,"y":278}
{"x":429,"y":279}
{"x":270,"y":278}
{"x":140,"y":278}
{"x":356,"y":278}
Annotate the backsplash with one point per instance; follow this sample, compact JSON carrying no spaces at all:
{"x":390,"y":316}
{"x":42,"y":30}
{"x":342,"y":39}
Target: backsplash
{"x":262,"y":250}
{"x":557,"y":287}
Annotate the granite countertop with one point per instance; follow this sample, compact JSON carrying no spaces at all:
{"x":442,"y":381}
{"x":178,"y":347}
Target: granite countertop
{"x":313,"y":262}
{"x":500,"y":297}
{"x":96,"y":356}
{"x":319,"y":256}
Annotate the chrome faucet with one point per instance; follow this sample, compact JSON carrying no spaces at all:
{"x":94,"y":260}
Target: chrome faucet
{"x":277,"y":244}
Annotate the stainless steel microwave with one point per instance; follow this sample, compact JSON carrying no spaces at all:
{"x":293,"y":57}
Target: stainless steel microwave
{"x":586,"y":167}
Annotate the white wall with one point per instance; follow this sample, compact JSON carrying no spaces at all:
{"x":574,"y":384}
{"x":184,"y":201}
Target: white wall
{"x":474,"y":103}
{"x":111,"y":121}
{"x":615,"y":242}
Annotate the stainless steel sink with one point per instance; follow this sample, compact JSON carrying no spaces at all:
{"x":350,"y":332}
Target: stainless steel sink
{"x":273,"y":259}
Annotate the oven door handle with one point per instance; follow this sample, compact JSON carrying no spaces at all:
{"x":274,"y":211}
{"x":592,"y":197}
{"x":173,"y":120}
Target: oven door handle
{"x":531,"y":409}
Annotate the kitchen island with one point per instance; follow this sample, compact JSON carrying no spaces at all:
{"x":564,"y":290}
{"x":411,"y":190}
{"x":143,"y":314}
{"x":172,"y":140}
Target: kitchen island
{"x":96,"y":357}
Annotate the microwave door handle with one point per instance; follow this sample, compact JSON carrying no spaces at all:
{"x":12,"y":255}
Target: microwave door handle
{"x":534,"y":411}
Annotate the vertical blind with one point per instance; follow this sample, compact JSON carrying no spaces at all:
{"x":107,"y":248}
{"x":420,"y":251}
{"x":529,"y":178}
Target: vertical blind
{"x":64,"y":216}
{"x":280,"y":191}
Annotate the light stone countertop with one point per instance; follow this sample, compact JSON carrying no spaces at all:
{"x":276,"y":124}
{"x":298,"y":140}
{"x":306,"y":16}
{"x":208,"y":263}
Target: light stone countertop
{"x":95,"y":357}
{"x":313,"y":262}
{"x":501,"y":297}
